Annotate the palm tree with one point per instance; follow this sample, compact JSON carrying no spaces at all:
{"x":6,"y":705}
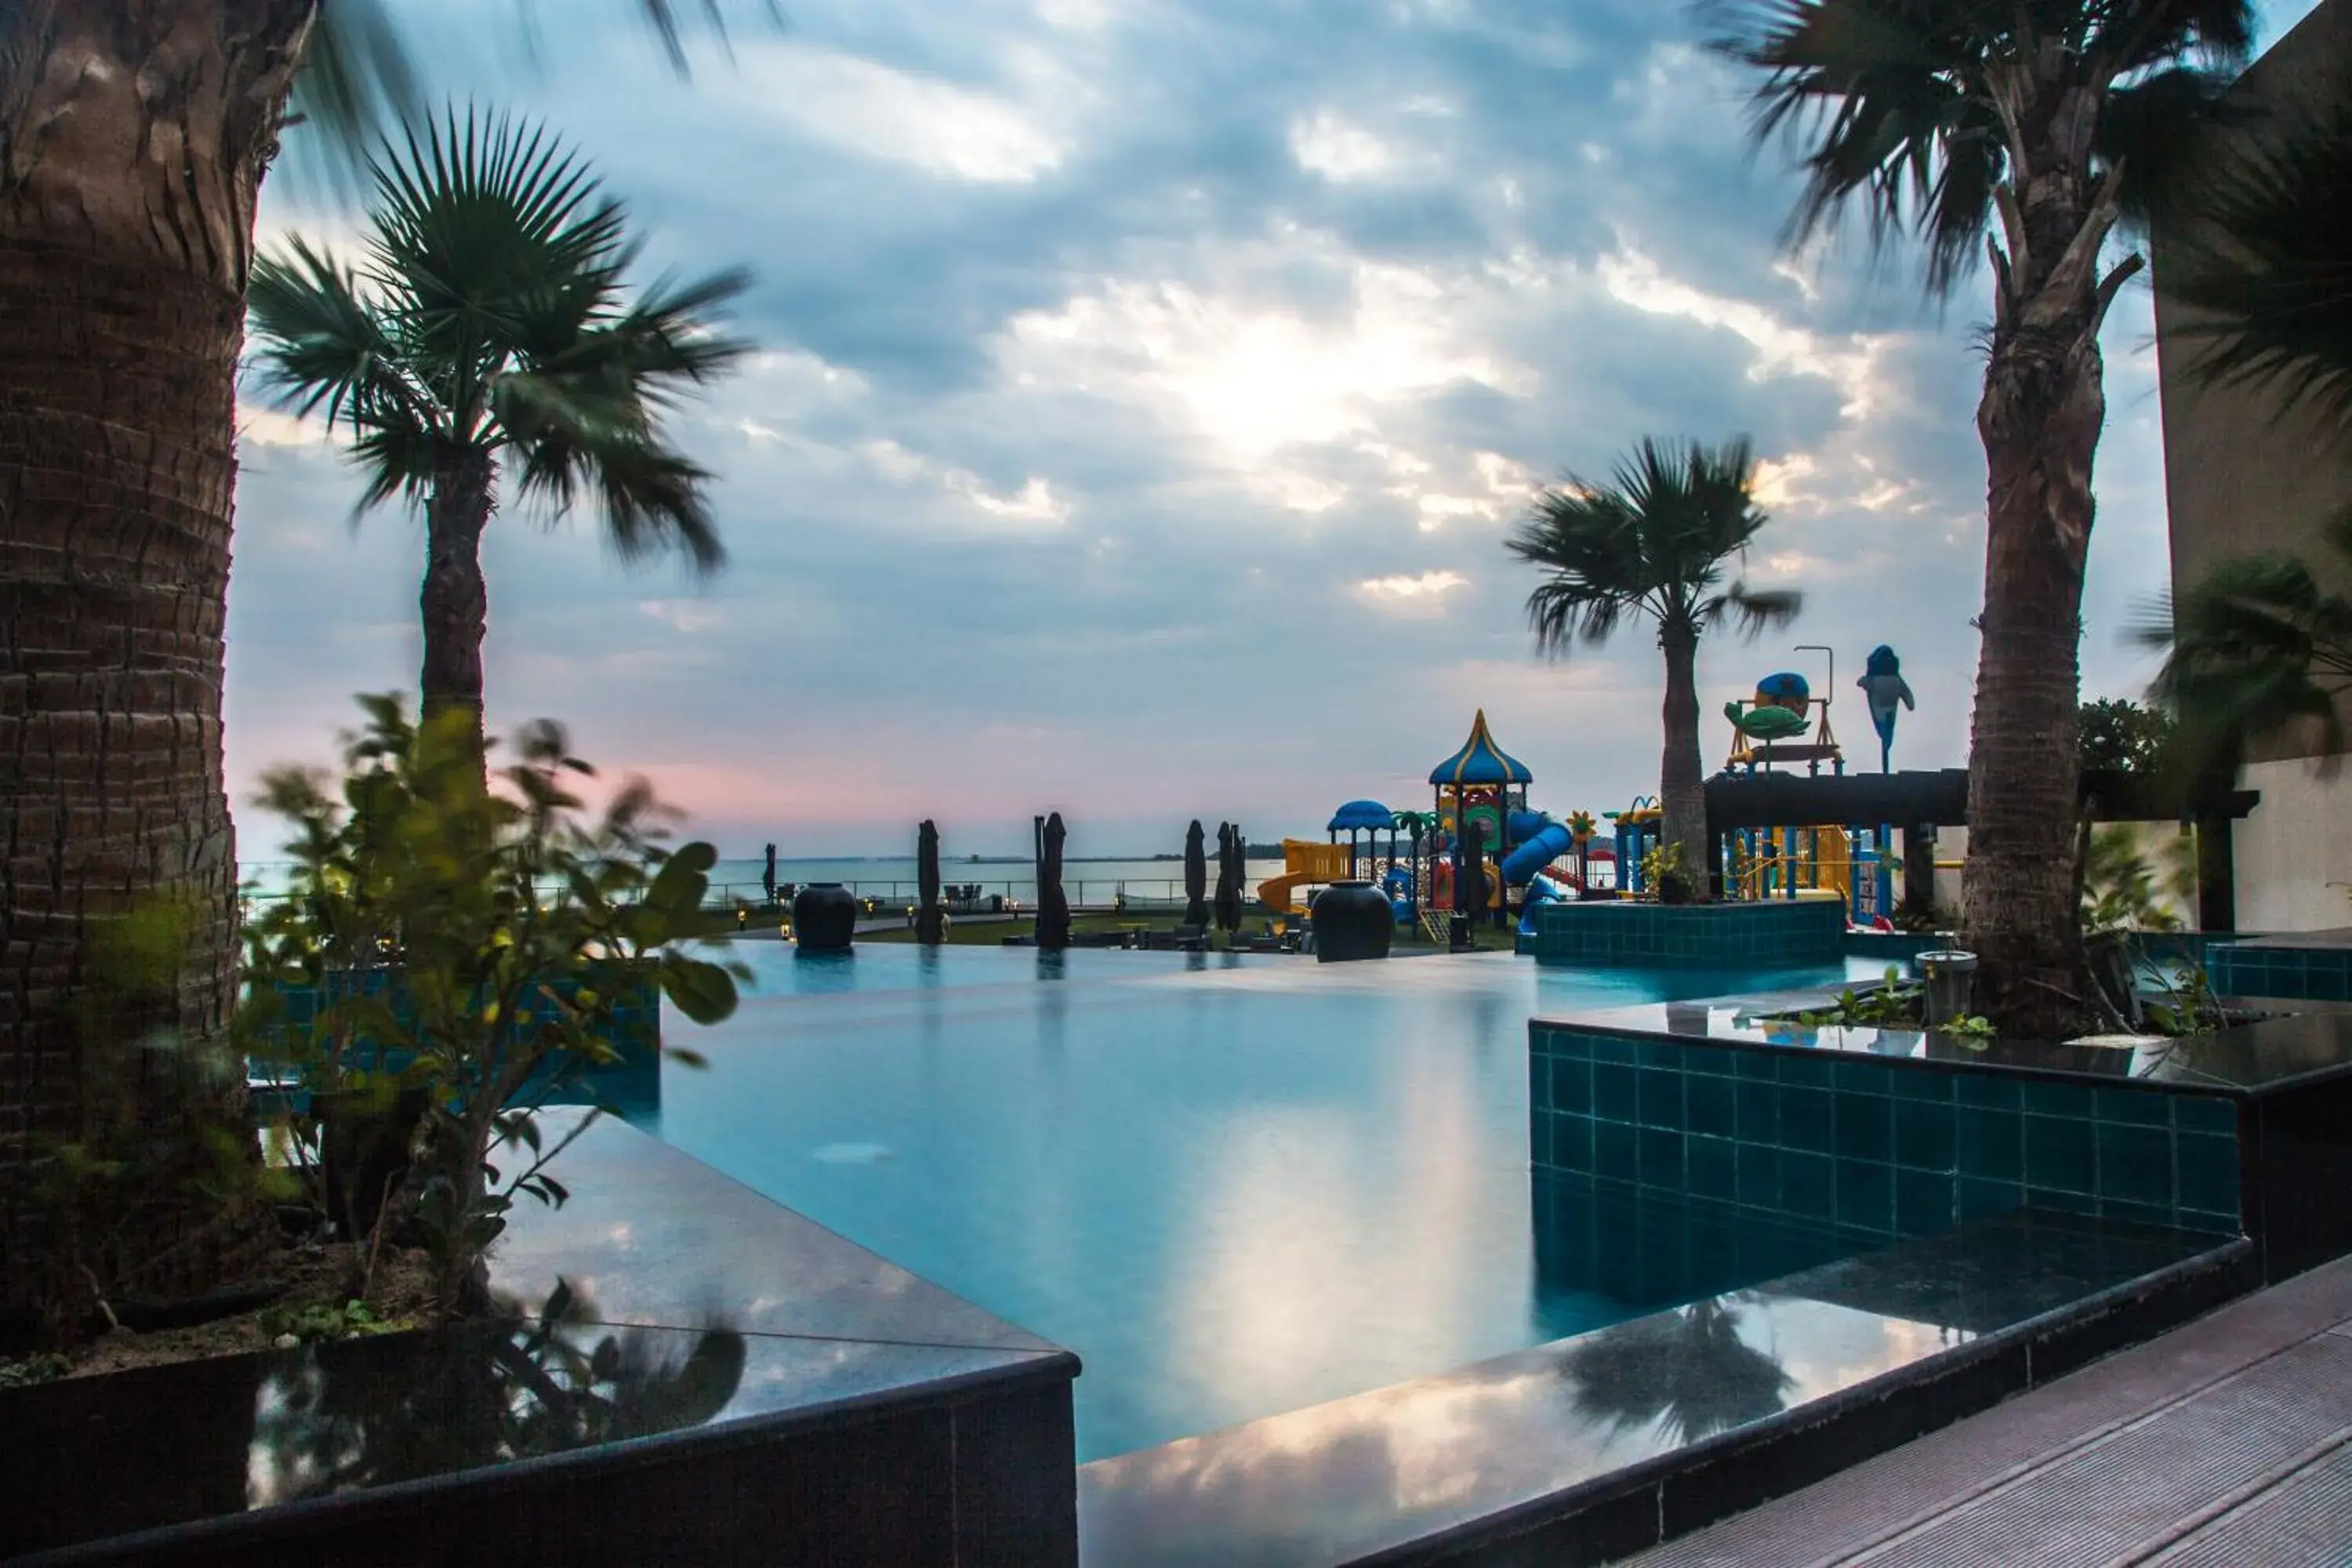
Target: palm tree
{"x":1655,"y":543}
{"x":2259,"y":645}
{"x":2059,"y":117}
{"x":2257,"y":257}
{"x":487,"y":329}
{"x":135,"y":135}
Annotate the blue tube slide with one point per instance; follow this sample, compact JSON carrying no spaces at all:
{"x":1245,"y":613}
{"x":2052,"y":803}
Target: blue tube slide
{"x":1549,"y":843}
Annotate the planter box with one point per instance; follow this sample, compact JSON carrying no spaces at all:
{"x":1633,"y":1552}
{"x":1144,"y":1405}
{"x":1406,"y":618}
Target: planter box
{"x":1768,"y":934}
{"x":792,"y":1398}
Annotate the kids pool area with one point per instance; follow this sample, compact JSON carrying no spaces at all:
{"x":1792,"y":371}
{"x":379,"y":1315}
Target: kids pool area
{"x":1233,"y":1186}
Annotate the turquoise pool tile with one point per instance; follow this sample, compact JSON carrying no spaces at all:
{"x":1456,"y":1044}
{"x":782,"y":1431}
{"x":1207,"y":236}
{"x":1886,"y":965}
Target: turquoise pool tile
{"x":1925,"y":1202}
{"x":2046,"y":1099}
{"x":1756,"y":1106}
{"x":1863,"y":1078}
{"x":2059,"y":1200}
{"x":1812,"y":1069}
{"x":2207,"y":1171}
{"x":2136,"y":1213}
{"x":1763,"y":1066}
{"x":1709,"y":1106}
{"x":1570,"y":1045}
{"x":2205,"y":1113}
{"x":1711,"y":1061}
{"x":1571,"y":1143}
{"x":1926,"y":1135}
{"x":1922,"y":1083}
{"x":1865,"y":1127}
{"x":1671,"y":1055}
{"x":1759,"y":1175}
{"x":2139,"y":1107}
{"x":1992,"y":1091}
{"x":1976,"y":1199}
{"x":1658,"y":1160}
{"x":1571,"y":1087}
{"x":1864,"y":1197}
{"x":2201,"y":1220}
{"x":1615,"y":1049}
{"x":1613,"y":1152}
{"x":1808,"y":1184}
{"x":2059,"y":1155}
{"x":1539,"y":1081}
{"x":1806,"y":1121}
{"x":2136,"y":1164}
{"x":1658,"y":1097}
{"x":1713,"y":1165}
{"x":1989,"y":1144}
{"x":1612,"y":1092}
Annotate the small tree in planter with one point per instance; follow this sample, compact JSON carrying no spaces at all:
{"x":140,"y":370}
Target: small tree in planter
{"x":465,"y":951}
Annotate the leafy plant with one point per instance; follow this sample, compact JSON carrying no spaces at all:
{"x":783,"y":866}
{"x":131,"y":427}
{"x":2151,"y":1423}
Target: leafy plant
{"x":1661,"y":871}
{"x":2125,"y":889}
{"x":1893,"y":1003}
{"x":2189,"y":1005}
{"x":469,"y":949}
{"x":1976,"y":1031}
{"x":314,"y":1320}
{"x":2122,"y":736}
{"x":46,"y":1367}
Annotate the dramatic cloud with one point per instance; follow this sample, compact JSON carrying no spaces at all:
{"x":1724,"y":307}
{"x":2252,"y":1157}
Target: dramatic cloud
{"x":1146,"y":389}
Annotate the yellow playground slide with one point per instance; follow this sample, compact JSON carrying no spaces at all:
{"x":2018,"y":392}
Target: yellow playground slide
{"x":1303,"y":864}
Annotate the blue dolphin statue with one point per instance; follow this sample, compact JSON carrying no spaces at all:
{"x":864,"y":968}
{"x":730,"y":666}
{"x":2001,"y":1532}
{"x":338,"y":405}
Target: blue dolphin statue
{"x":1883,"y":686}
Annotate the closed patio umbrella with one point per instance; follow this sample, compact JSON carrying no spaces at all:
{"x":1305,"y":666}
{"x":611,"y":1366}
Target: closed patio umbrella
{"x":1229,"y":877}
{"x":768,"y":877}
{"x":1052,"y":908}
{"x":930,"y":929}
{"x":1196,"y":876}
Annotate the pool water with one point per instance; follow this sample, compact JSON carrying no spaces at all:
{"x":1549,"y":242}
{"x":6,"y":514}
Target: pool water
{"x":1235,"y":1187}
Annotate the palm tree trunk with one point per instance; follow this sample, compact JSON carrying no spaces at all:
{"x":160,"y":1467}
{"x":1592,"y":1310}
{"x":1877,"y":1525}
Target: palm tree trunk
{"x":2040,"y":417}
{"x":1682,"y":787}
{"x":456,"y":599}
{"x":133,"y":137}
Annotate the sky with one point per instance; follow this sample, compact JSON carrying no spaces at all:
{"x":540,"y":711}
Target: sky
{"x":1144,"y":391}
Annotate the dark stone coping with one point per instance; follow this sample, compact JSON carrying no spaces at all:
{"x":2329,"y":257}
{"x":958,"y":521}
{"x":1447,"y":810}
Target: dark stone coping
{"x":2307,"y":1042}
{"x":777,"y":1384}
{"x":1589,"y":1448}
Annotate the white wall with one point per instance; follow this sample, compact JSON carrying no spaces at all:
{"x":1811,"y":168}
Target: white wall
{"x":2297,"y":841}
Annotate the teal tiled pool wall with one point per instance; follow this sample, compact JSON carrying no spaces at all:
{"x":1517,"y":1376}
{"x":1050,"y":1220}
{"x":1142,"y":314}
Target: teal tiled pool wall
{"x":1769,"y":934}
{"x":2314,"y":974}
{"x":1878,"y":1146}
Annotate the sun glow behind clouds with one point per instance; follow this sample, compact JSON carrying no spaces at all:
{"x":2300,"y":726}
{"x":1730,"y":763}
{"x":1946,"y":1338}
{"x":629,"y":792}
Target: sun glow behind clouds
{"x":1421,"y":595}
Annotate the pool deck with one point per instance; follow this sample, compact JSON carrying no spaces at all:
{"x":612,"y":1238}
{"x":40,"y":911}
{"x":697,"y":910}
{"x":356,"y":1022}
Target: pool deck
{"x":2228,"y":1441}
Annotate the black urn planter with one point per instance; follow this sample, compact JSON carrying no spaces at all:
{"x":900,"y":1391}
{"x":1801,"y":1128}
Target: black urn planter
{"x":824,"y":918}
{"x":1352,"y":920}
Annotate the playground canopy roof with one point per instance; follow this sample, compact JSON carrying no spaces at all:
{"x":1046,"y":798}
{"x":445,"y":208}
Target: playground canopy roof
{"x":1480,"y":762}
{"x":1357,"y":813}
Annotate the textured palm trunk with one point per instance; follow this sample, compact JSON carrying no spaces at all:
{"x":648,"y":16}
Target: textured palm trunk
{"x":1682,"y":786}
{"x":2040,"y":417}
{"x":132,"y":140}
{"x":456,"y":600}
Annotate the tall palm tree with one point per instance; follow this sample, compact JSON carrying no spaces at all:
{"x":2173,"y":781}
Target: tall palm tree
{"x":135,"y":135}
{"x":2058,"y":119}
{"x":1655,"y":543}
{"x":488,"y":327}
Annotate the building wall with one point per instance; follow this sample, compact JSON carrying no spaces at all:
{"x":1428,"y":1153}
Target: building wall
{"x":2243,"y":474}
{"x":2297,"y":842}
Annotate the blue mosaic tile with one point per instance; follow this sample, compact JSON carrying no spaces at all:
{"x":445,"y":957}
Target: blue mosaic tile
{"x":2204,"y":1113}
{"x":2134,"y":1165}
{"x":2207,"y":1170}
{"x":1708,"y":1105}
{"x":1990,"y":1145}
{"x":1976,"y":1198}
{"x":1658,"y":1097}
{"x":1926,"y":1135}
{"x":1866,"y":1127}
{"x":1807,"y":1121}
{"x":1864,"y":1197}
{"x":1925,"y":1202}
{"x":1989,"y":1090}
{"x":1808,"y":1185}
{"x":1570,"y":1083}
{"x":1612,"y":1092}
{"x":2043,"y":1098}
{"x":1713,"y":1164}
{"x":2058,"y":1154}
{"x":2142,"y":1106}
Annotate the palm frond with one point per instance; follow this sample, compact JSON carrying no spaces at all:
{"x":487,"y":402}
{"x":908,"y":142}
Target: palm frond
{"x":322,"y":347}
{"x":1755,"y":611}
{"x":2263,"y":263}
{"x":1889,"y":105}
{"x":1656,"y":541}
{"x":2257,"y":646}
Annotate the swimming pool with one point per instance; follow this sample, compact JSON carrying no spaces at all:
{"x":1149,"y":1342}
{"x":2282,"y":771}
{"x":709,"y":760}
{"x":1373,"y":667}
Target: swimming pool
{"x":1235,"y":1187}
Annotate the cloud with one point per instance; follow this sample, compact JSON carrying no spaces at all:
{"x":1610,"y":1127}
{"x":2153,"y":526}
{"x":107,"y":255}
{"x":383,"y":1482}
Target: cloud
{"x":1422,"y":595}
{"x":880,"y":111}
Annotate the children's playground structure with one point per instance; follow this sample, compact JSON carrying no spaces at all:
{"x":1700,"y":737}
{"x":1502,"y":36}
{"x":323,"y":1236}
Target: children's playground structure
{"x":1482,"y":851}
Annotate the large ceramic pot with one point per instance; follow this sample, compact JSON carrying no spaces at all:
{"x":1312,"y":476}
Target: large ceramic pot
{"x":824,"y":918}
{"x":1352,"y":920}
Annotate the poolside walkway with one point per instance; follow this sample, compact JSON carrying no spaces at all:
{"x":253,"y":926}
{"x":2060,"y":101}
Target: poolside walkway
{"x":2228,"y":1442}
